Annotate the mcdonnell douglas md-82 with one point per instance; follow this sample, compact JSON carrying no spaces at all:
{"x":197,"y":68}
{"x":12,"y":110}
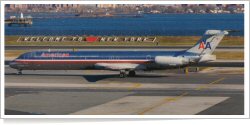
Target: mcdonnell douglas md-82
{"x":127,"y":62}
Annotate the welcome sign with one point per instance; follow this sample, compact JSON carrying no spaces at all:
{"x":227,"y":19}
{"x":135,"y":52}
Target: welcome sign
{"x":84,"y":39}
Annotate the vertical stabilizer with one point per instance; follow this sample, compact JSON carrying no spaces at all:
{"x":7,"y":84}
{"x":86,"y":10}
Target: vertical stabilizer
{"x":208,"y":42}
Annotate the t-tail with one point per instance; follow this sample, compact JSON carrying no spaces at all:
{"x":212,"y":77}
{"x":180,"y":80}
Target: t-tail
{"x":209,"y":41}
{"x":207,"y":44}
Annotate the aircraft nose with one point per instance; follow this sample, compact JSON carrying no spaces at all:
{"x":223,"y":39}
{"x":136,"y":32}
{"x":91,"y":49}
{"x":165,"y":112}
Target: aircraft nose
{"x":13,"y":64}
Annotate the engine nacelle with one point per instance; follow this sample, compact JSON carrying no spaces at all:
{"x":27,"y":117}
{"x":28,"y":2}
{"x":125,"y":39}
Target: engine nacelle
{"x":207,"y":58}
{"x":170,"y":61}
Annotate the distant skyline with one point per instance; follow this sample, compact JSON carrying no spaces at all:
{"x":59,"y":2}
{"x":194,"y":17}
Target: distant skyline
{"x":25,"y":6}
{"x":111,"y":8}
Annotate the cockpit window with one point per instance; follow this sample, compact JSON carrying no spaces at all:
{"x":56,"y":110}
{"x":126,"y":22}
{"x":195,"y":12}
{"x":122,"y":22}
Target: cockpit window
{"x":21,"y":56}
{"x":25,"y":55}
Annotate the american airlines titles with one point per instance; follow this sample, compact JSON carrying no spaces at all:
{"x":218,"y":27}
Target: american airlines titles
{"x":55,"y":55}
{"x":86,"y":39}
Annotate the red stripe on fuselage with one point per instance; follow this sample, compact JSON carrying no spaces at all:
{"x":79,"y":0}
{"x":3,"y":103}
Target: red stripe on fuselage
{"x":80,"y":61}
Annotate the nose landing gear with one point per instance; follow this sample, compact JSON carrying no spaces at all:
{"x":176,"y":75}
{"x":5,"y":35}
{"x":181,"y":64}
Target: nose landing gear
{"x":19,"y":72}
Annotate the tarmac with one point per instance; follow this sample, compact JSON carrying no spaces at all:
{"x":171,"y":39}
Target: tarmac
{"x":213,"y":91}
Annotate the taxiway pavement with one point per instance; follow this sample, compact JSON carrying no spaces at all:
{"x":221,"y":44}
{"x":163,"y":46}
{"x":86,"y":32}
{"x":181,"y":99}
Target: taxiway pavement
{"x":215,"y":91}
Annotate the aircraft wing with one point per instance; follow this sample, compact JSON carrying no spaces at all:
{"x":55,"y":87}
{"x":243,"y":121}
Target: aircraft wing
{"x":119,"y":66}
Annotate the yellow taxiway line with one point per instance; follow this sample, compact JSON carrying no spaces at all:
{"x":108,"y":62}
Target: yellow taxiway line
{"x":176,"y":98}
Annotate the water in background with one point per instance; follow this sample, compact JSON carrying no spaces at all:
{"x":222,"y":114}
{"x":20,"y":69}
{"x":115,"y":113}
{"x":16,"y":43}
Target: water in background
{"x":149,"y":25}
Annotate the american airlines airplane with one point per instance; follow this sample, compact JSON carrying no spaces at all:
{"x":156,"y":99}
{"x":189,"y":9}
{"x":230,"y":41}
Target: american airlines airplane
{"x":127,"y":62}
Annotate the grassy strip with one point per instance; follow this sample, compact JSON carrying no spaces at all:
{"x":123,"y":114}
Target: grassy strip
{"x":230,"y":55}
{"x":162,"y":41}
{"x":14,"y":53}
{"x":219,"y":55}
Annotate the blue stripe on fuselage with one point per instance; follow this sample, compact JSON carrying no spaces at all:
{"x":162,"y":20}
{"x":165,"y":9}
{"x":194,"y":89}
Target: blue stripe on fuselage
{"x":104,"y":54}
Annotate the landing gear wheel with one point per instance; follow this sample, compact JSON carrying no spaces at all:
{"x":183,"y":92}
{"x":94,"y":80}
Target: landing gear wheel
{"x":122,"y":74}
{"x":131,"y":73}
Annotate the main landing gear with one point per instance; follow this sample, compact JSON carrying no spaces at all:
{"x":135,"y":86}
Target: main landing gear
{"x":131,"y":73}
{"x":123,"y":74}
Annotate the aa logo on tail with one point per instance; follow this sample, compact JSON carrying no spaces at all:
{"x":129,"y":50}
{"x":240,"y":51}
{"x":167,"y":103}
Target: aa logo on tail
{"x":204,"y":45}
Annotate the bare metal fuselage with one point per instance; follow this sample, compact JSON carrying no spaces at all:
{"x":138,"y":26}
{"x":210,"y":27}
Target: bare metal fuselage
{"x":81,"y":66}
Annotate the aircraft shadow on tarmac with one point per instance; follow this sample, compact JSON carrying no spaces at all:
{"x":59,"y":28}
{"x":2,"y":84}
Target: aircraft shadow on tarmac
{"x":94,"y":78}
{"x":15,"y":112}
